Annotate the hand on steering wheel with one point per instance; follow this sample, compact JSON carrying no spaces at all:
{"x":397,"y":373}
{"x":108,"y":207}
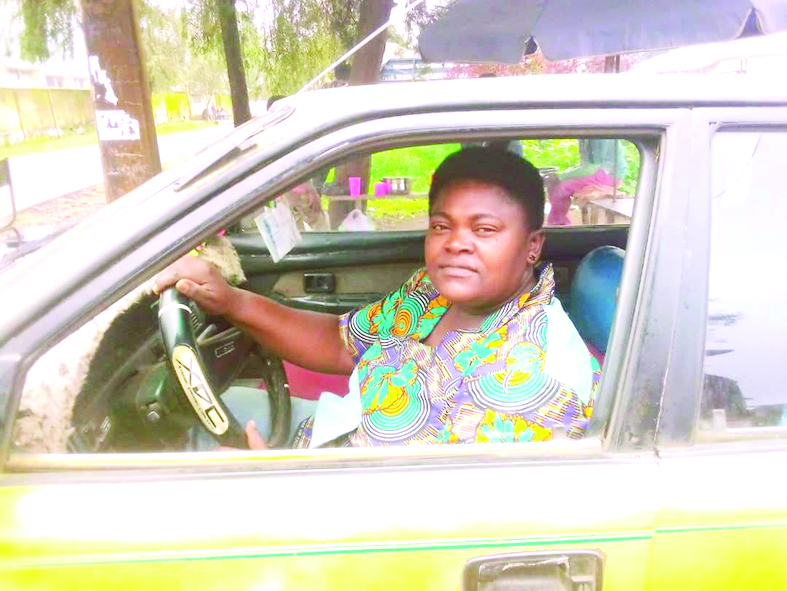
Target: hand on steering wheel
{"x":177,"y":330}
{"x":203,"y":379}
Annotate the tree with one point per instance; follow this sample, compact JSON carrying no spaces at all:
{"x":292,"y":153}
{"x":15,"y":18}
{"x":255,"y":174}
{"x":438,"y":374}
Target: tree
{"x":121,"y":94}
{"x":171,"y":62}
{"x":47,"y":24}
{"x":301,"y":38}
{"x":366,"y":63}
{"x":297,"y":44}
{"x":241,"y":112}
{"x":213,"y":26}
{"x":365,"y":69}
{"x":166,"y":44}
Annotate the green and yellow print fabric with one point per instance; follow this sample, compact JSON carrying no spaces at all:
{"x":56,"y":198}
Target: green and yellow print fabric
{"x":487,"y":385}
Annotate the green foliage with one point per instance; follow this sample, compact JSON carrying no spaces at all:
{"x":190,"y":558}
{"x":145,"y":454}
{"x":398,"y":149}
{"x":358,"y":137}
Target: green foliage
{"x":202,"y":23}
{"x":563,"y":153}
{"x":184,"y":49}
{"x":342,"y":17}
{"x":629,"y":184}
{"x":165,"y":43}
{"x":419,"y":163}
{"x":304,"y":37}
{"x":172,"y":62}
{"x":48,"y":27}
{"x":205,"y":41}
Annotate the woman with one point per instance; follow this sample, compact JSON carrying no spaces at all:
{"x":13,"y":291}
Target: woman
{"x":473,"y":348}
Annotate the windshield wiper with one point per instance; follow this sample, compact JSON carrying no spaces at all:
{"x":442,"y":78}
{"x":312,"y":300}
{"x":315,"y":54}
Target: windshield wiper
{"x":208,"y":158}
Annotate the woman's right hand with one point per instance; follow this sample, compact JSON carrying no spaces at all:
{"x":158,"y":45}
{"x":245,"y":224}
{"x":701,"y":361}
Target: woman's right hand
{"x":200,"y":281}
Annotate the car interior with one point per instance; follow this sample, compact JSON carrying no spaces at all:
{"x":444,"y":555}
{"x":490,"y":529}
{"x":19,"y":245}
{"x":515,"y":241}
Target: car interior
{"x":352,"y":250}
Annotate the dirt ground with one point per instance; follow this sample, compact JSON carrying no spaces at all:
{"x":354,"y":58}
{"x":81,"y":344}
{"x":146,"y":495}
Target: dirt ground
{"x":64,"y":211}
{"x":70,"y":209}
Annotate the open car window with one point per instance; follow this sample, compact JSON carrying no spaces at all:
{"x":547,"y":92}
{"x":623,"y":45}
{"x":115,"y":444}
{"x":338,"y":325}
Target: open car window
{"x":108,"y":387}
{"x":588,"y":182}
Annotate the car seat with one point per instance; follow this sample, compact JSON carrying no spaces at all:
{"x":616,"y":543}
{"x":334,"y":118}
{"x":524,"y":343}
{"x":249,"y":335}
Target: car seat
{"x":593,"y":300}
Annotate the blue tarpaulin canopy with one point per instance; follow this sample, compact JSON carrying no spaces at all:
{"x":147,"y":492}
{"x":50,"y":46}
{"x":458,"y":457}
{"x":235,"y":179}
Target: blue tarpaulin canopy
{"x":505,"y":30}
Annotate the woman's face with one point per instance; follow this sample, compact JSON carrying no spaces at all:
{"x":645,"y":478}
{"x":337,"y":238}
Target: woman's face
{"x":479,"y":246}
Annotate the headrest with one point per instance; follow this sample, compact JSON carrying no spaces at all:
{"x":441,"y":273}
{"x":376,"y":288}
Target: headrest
{"x":594,"y":293}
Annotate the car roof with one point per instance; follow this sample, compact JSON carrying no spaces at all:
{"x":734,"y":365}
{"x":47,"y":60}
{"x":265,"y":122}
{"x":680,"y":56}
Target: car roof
{"x":565,"y":90}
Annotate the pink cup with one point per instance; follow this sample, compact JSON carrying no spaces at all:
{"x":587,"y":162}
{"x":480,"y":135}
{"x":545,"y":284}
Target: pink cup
{"x":380,"y":189}
{"x":355,"y":186}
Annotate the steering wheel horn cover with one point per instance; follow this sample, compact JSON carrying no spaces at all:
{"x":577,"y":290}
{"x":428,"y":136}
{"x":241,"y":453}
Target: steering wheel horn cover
{"x":204,"y":371}
{"x":176,"y":321}
{"x":198,"y":390}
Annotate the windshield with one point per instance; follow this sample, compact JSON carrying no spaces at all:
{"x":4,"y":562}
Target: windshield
{"x":29,"y":230}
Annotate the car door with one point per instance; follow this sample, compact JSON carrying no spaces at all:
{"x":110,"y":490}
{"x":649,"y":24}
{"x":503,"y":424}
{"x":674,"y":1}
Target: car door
{"x":432,"y":517}
{"x":723,"y":432}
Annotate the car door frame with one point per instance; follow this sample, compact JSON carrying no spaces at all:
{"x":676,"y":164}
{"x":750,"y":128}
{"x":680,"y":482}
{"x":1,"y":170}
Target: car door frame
{"x":198,"y":217}
{"x":638,"y":354}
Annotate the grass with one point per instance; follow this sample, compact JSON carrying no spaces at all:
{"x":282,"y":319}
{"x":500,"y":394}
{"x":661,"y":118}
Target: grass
{"x":47,"y":144}
{"x":182,"y":126}
{"x":419,"y":163}
{"x":74,"y":139}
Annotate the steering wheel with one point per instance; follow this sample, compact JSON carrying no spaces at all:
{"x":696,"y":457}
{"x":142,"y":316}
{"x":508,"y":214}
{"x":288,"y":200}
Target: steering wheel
{"x":206,"y":365}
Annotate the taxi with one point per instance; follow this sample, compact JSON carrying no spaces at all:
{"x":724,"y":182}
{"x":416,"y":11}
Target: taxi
{"x":674,"y":485}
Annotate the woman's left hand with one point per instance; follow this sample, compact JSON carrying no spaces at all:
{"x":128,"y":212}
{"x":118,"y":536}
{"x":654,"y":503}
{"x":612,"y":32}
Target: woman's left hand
{"x":253,"y":439}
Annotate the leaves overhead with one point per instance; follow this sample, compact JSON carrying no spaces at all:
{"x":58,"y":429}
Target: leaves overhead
{"x":285,"y":42}
{"x":302,"y":38}
{"x":171,"y":62}
{"x":48,"y":28}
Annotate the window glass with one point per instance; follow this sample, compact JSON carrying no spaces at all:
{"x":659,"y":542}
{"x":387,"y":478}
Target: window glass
{"x":588,"y":182}
{"x":745,"y":369}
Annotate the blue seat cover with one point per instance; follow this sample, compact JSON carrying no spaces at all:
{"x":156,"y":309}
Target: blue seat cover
{"x":594,"y":294}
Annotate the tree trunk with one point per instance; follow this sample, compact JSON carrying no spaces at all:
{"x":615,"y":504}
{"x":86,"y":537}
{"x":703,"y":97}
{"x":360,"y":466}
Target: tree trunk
{"x":121,"y":95}
{"x":234,"y":57}
{"x":365,"y":69}
{"x":366,"y":63}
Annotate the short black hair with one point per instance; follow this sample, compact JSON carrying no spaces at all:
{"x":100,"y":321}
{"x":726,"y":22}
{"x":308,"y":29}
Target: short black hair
{"x":519,"y":179}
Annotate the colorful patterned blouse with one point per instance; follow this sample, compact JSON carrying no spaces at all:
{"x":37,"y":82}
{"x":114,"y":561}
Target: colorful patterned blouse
{"x":522,"y":374}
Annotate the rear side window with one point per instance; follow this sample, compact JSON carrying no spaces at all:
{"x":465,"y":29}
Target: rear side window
{"x":745,"y":369}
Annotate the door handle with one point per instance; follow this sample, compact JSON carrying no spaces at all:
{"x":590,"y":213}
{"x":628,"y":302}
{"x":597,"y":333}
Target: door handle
{"x":570,"y":570}
{"x":319,"y":282}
